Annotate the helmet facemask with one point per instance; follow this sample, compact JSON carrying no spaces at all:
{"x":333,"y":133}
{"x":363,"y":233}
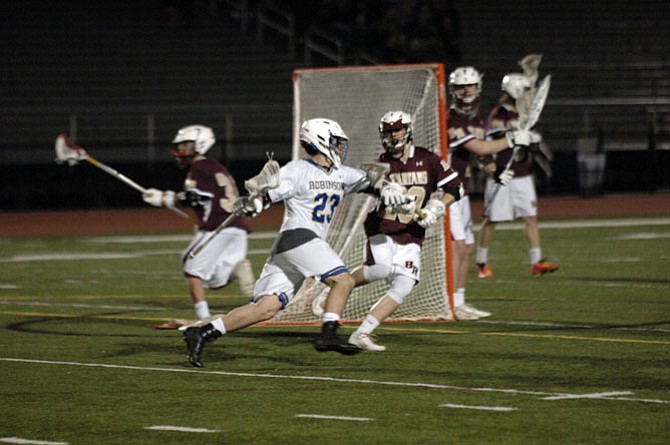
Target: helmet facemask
{"x":395,"y":132}
{"x":465,"y":87}
{"x":183,"y":153}
{"x":339,"y":148}
{"x":326,"y":137}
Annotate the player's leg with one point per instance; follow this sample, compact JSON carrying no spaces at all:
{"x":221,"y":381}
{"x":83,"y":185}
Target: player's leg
{"x":315,"y":258}
{"x":485,"y":240}
{"x":275,"y":289}
{"x":464,"y":245}
{"x":402,"y":264}
{"x":500,"y":209}
{"x":525,"y":205}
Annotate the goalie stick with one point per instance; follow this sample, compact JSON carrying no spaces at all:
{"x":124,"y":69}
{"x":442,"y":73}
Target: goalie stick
{"x":530,"y":115}
{"x":68,"y":151}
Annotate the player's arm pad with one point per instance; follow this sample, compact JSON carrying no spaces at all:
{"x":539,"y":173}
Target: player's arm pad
{"x":192,"y":198}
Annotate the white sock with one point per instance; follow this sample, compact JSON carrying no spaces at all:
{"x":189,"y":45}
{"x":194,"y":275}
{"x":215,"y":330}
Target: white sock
{"x":202,"y":310}
{"x":368,"y":325}
{"x":218,"y":325}
{"x":535,"y":255}
{"x":482,"y":255}
{"x":330,"y":316}
{"x":459,"y":297}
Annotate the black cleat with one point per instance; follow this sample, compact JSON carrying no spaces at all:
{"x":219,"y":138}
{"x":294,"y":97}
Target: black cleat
{"x":195,"y":339}
{"x":329,"y":341}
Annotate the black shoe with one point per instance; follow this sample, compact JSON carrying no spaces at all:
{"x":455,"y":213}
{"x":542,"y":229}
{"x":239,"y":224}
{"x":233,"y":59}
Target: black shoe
{"x":195,"y":339}
{"x":329,"y":341}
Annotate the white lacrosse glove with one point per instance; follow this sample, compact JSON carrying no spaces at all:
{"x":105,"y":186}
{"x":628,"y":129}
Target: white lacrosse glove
{"x":519,"y":137}
{"x":159,"y":198}
{"x":392,"y":194}
{"x":433,"y":210}
{"x":503,"y":175}
{"x":267,"y":179}
{"x":249,"y":206}
{"x":395,"y":199}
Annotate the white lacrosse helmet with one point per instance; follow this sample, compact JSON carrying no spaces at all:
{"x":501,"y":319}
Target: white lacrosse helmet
{"x":465,"y":75}
{"x":325,"y":136}
{"x":202,"y":137}
{"x":394,"y":121}
{"x":515,"y":84}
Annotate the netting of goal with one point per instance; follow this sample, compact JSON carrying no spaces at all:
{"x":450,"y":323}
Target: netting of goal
{"x":357,"y":97}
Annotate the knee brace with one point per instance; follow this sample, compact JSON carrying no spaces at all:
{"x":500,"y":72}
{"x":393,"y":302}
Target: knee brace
{"x":376,"y":272}
{"x":400,"y":288}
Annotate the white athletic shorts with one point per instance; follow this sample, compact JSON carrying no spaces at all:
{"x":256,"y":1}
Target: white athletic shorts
{"x":515,"y":200}
{"x":214,"y":264}
{"x":405,"y":259}
{"x":283,"y":273}
{"x":460,"y":220}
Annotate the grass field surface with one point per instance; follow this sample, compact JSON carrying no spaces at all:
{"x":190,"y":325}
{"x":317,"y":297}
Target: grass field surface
{"x":581,"y":356}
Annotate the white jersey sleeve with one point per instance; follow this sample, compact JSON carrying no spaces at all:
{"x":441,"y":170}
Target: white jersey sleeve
{"x":311,"y":194}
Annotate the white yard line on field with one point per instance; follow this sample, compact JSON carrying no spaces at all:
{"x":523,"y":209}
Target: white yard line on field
{"x":540,"y":394}
{"x":182,"y":429}
{"x":81,"y":305}
{"x":481,"y":408}
{"x":78,"y":256}
{"x":571,"y":224}
{"x":321,"y":416}
{"x":29,"y":441}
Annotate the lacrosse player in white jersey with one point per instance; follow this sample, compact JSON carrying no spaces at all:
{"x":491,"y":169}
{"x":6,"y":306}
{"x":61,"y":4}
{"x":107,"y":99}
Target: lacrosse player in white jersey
{"x":311,"y":189}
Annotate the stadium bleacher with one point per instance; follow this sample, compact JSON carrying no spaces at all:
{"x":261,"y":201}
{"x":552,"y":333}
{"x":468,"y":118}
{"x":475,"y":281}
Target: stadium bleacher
{"x":122,"y":76}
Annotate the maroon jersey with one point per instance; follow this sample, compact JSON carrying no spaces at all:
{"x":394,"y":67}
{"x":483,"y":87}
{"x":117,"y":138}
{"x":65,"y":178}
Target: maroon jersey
{"x":462,"y":129}
{"x":215,"y":194}
{"x":499,"y":121}
{"x":424,"y":173}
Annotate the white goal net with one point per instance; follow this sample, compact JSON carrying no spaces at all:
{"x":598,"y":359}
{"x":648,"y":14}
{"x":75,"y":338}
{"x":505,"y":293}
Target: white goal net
{"x":357,"y":97}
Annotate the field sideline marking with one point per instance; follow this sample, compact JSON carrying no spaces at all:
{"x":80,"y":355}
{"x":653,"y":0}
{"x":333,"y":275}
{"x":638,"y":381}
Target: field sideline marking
{"x":542,"y":394}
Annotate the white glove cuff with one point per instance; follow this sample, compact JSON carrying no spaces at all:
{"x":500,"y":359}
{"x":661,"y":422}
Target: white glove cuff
{"x":168,"y":199}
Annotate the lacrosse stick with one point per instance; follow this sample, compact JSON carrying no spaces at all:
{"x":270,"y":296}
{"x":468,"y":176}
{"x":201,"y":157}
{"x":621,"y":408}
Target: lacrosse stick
{"x":529,"y":112}
{"x":68,"y":151}
{"x":257,"y":186}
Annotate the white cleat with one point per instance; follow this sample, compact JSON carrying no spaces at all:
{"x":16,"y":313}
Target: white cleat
{"x":365,"y":342}
{"x":473,"y":310}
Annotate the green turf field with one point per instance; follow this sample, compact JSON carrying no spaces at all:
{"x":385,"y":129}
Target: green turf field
{"x":581,"y":356}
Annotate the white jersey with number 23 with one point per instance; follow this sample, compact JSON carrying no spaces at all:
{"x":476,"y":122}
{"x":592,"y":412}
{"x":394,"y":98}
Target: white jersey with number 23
{"x":312,"y":193}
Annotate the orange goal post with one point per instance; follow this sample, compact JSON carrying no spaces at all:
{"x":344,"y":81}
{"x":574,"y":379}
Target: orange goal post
{"x":357,"y":97}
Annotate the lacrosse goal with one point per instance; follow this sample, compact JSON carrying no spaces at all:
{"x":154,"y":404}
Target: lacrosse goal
{"x":357,"y":97}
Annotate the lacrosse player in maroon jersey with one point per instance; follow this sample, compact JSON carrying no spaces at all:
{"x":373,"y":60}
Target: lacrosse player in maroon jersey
{"x":518,"y":198}
{"x":395,"y":233}
{"x":211,"y":191}
{"x":466,"y":131}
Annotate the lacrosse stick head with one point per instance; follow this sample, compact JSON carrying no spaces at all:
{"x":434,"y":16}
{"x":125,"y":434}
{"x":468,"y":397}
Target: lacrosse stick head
{"x":68,"y":151}
{"x":529,"y":64}
{"x":267,"y":179}
{"x":376,"y":171}
{"x":537,"y":103}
